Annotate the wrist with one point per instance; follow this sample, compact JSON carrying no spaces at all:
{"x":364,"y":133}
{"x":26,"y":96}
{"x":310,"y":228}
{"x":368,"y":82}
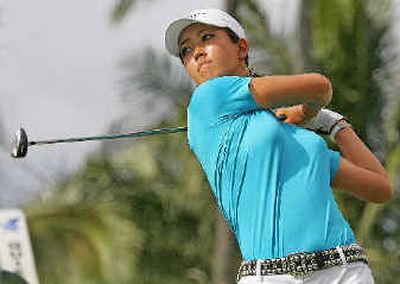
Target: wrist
{"x":309,"y":110}
{"x":339,"y":126}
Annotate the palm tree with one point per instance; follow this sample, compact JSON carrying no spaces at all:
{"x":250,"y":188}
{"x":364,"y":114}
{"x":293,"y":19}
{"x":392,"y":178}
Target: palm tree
{"x":352,"y":53}
{"x":163,"y":78}
{"x":361,"y":75}
{"x":82,"y":235}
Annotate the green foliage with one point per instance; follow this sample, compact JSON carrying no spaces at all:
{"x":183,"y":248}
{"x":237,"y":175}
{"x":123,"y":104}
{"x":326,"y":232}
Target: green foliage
{"x":148,"y":206}
{"x":11,"y":278}
{"x":121,"y":9}
{"x":350,"y":53}
{"x":170,"y":202}
{"x":263,"y":40}
{"x":82,"y":236}
{"x":354,"y":54}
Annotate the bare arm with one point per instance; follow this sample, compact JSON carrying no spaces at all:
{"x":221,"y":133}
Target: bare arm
{"x":360,"y":173}
{"x":312,"y":89}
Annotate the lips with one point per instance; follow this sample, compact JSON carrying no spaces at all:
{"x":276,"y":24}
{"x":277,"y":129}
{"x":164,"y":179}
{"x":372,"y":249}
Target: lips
{"x":203,"y":64}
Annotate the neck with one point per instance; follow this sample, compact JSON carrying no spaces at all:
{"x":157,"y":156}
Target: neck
{"x":243,"y":72}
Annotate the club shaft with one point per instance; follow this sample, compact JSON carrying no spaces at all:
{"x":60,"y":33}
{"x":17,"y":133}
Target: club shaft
{"x":151,"y":132}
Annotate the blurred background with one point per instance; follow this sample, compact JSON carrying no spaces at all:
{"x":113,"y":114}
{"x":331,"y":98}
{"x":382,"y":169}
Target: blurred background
{"x":140,"y":211}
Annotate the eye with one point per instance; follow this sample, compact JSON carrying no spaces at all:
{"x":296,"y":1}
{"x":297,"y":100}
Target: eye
{"x":185,"y":51}
{"x":207,"y":37}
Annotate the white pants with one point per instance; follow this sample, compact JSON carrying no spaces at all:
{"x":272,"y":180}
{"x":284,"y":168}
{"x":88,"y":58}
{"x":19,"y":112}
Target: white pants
{"x":352,"y":273}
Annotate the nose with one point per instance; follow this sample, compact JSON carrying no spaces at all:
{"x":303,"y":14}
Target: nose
{"x":199,"y":52}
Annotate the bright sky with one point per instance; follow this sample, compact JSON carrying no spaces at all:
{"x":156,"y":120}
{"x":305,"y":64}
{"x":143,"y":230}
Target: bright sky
{"x":59,"y":62}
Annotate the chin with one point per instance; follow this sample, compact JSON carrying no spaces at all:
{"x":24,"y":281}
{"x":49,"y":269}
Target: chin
{"x":209,"y":75}
{"x":202,"y":79}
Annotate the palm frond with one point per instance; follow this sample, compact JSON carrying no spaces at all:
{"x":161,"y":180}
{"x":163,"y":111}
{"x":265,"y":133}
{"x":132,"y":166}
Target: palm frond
{"x":156,"y":74}
{"x":120,"y":10}
{"x":256,"y":23}
{"x":86,"y":239}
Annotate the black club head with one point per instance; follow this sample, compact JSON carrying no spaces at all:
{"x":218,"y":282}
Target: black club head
{"x":19,"y":144}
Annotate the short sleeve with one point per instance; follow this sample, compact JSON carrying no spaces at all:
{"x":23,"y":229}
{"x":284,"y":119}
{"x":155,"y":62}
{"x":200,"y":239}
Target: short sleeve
{"x":221,"y":97}
{"x":334,"y":164}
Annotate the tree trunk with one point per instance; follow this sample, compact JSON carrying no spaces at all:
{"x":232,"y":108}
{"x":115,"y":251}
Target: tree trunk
{"x":223,"y":256}
{"x":306,"y":60}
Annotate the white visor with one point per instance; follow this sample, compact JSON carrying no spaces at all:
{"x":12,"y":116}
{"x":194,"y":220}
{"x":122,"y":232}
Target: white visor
{"x":214,"y":17}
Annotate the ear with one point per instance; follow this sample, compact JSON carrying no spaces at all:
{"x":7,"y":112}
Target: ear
{"x":243,"y":48}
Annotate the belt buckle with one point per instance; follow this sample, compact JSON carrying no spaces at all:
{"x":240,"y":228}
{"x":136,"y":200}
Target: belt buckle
{"x":297,"y":264}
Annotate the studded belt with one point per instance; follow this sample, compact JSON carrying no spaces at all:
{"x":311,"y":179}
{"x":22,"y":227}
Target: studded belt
{"x":303,"y":263}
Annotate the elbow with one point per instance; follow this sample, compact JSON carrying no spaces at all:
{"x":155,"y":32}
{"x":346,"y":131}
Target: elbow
{"x":324,"y":88}
{"x":386,"y":193}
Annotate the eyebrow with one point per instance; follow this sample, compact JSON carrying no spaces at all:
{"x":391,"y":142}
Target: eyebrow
{"x":183,"y":41}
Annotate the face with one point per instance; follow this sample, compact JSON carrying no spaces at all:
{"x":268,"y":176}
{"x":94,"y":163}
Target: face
{"x":209,"y":52}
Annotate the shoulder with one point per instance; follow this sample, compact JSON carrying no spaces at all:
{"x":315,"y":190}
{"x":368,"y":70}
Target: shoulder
{"x":222,"y":96}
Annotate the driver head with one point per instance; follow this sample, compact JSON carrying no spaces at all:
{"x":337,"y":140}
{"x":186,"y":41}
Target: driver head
{"x":19,"y":144}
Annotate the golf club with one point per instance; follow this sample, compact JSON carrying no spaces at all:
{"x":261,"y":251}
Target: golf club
{"x":20,"y":142}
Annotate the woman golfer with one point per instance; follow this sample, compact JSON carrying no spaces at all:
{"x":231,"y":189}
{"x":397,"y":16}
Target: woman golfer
{"x":273,"y":179}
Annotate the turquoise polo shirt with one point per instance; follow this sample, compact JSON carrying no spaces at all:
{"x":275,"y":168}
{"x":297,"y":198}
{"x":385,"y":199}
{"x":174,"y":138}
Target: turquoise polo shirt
{"x":271,"y":179}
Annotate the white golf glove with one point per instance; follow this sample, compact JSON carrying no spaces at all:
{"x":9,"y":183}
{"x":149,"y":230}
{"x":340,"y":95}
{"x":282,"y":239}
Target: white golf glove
{"x":326,"y":122}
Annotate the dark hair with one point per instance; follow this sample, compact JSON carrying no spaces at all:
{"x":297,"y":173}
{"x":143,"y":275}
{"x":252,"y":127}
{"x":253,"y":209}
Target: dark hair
{"x":235,"y":39}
